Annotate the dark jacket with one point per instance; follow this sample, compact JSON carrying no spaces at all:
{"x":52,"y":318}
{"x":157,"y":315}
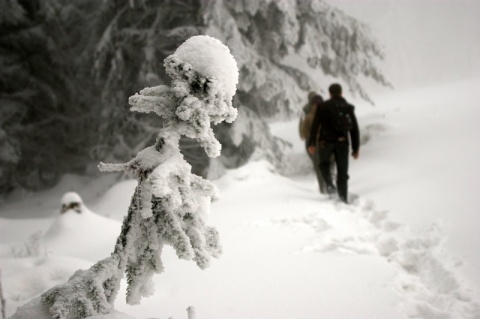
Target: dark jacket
{"x":328,"y":133}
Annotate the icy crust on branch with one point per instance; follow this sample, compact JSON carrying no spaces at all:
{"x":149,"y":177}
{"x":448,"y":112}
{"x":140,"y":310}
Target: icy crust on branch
{"x":178,"y":218}
{"x":170,"y":205}
{"x":87,"y":292}
{"x":165,"y":174}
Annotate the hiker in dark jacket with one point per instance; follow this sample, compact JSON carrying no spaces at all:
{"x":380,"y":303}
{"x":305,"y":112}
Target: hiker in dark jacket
{"x":326,"y":139}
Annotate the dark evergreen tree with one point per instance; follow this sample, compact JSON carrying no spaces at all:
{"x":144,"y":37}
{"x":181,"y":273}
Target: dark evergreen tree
{"x":46,"y":120}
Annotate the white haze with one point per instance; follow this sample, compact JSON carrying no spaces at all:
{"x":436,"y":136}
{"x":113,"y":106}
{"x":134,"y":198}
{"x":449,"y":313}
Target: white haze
{"x":427,"y":42}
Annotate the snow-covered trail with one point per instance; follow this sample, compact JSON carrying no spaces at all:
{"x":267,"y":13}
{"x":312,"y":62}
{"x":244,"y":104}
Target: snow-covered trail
{"x":422,"y":164}
{"x":291,"y":252}
{"x":426,"y":280}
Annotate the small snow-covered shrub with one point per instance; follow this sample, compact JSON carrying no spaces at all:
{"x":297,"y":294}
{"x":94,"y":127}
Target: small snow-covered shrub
{"x":170,"y":205}
{"x":32,"y":247}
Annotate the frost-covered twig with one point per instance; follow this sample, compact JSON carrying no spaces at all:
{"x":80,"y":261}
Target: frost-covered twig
{"x":170,"y":205}
{"x":102,"y":167}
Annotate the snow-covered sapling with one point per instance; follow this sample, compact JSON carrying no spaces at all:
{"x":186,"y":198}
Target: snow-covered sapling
{"x":170,"y":204}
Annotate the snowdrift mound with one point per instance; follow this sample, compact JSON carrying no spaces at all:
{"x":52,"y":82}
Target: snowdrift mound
{"x":81,"y":233}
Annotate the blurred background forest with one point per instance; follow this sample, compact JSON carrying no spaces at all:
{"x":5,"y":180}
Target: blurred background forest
{"x":67,"y":68}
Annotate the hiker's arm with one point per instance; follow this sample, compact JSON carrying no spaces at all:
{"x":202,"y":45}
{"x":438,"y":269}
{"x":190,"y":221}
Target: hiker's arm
{"x":355,"y":136}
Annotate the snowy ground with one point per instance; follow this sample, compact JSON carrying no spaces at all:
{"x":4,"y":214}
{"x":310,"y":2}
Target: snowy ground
{"x":406,"y":248}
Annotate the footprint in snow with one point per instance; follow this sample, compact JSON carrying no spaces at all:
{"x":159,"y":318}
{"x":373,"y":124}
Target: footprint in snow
{"x":426,"y":277}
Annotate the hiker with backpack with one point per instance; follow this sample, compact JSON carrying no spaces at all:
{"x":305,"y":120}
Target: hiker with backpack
{"x":305,"y":126}
{"x":333,"y":125}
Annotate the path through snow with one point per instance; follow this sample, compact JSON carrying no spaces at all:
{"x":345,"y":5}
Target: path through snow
{"x":426,"y":277}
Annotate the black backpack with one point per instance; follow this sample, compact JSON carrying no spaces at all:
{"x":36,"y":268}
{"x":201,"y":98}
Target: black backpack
{"x":341,"y":117}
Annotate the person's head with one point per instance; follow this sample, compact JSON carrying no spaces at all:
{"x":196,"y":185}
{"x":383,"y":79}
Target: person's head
{"x":335,"y":90}
{"x":311,"y":95}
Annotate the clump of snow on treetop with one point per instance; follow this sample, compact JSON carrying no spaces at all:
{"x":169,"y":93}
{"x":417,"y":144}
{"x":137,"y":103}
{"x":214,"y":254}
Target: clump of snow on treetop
{"x":210,"y":57}
{"x":204,"y":79}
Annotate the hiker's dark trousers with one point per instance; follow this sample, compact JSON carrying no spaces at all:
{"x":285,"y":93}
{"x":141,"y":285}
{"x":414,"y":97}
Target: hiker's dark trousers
{"x":314,"y":158}
{"x":340,"y":152}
